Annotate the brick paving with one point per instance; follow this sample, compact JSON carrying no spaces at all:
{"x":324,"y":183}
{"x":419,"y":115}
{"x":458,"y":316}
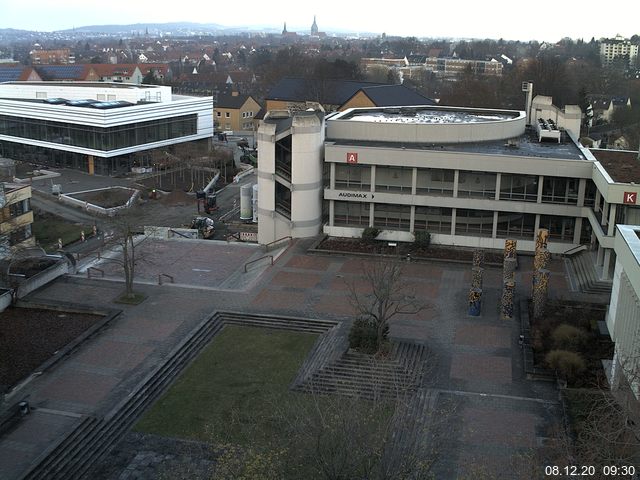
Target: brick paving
{"x":476,"y":361}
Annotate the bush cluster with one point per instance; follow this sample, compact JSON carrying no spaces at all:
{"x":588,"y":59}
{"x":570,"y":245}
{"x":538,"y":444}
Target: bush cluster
{"x":568,"y":364}
{"x":369,"y":234}
{"x":363,"y":336}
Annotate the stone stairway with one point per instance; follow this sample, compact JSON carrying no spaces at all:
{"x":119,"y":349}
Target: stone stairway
{"x":92,"y":438}
{"x":585,"y":276}
{"x":357,"y":374}
{"x":411,"y":430}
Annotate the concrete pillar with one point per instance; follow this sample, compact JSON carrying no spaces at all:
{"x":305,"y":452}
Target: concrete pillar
{"x":453,"y":221}
{"x":605,"y":214}
{"x":596,"y":204}
{"x":606,"y":265}
{"x":373,"y":178}
{"x":600,"y":255}
{"x":577,"y":230}
{"x":332,"y":210}
{"x":456,"y":178}
{"x":414,"y":183}
{"x":332,"y":179}
{"x":494,"y":231}
{"x":582,"y":188}
{"x":412,"y":218}
{"x":612,"y":219}
{"x":371,"y":207}
{"x":498,"y":179}
{"x":540,"y":185}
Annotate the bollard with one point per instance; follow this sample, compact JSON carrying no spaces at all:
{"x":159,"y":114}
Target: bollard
{"x":59,"y":244}
{"x":82,"y":235}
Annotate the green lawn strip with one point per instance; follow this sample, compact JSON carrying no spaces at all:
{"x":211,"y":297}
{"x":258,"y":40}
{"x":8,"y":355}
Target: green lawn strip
{"x":239,"y":376}
{"x":48,"y":231}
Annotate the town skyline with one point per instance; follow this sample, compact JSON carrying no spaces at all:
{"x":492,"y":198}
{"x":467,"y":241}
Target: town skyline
{"x":496,"y":19}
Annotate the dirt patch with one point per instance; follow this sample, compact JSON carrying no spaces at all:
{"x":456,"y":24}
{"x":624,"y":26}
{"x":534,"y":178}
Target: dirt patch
{"x":30,"y":336}
{"x":109,"y":198}
{"x":356,"y":245}
{"x":177,"y":198}
{"x":187,"y":179}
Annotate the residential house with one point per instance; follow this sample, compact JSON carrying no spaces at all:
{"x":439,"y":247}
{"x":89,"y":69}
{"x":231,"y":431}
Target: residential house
{"x":235,"y":112}
{"x":293,"y":93}
{"x":18,"y":73}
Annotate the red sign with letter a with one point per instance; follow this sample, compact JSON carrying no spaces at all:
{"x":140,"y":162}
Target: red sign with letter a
{"x":352,"y":157}
{"x":630,"y":197}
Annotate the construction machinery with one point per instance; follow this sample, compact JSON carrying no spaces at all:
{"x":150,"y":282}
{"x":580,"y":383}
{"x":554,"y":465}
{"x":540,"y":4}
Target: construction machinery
{"x":204,"y":225}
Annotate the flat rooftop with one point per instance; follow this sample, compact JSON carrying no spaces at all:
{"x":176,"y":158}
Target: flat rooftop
{"x":114,"y":85}
{"x":422,"y":115}
{"x":526,"y":145}
{"x":622,"y":165}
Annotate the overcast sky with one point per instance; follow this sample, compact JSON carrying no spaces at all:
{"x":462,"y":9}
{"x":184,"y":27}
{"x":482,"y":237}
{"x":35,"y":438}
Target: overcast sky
{"x":513,"y":20}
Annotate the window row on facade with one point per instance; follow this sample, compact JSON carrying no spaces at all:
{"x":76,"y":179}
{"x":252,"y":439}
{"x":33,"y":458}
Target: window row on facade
{"x":470,"y":184}
{"x":97,"y":138}
{"x":468,"y":222}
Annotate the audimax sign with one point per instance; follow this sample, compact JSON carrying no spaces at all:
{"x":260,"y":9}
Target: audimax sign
{"x":364,"y":196}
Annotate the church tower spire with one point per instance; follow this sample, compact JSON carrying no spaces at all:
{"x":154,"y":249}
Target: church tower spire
{"x":314,"y":27}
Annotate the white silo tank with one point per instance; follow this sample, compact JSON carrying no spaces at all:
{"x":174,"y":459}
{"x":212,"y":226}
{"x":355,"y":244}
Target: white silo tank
{"x":246,"y":212}
{"x":254,"y":203}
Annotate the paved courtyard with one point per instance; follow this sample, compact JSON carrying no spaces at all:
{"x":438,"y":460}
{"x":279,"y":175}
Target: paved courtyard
{"x":477,"y":373}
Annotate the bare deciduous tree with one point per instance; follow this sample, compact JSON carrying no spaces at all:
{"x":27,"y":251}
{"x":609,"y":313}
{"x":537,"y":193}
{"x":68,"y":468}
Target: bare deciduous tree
{"x":386,"y":295}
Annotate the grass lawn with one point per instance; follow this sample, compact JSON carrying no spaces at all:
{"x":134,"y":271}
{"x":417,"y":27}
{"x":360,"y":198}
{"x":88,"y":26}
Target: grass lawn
{"x":48,"y":230}
{"x":236,"y":379}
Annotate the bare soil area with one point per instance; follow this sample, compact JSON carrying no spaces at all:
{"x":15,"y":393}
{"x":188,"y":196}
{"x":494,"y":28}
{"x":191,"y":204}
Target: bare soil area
{"x":114,"y":197}
{"x":29,"y":336}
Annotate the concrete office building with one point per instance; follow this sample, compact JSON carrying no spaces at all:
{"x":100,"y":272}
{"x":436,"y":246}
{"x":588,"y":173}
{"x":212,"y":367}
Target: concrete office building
{"x":470,"y":177}
{"x":623,"y":315}
{"x":98,"y":127}
{"x":16,"y":218}
{"x":618,"y":48}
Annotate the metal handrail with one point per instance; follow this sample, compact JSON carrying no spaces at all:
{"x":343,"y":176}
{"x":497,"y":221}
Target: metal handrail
{"x":266,"y":247}
{"x":96,"y":269}
{"x":178,"y":233}
{"x":256,"y":260}
{"x":574,"y":249}
{"x":165,"y":275}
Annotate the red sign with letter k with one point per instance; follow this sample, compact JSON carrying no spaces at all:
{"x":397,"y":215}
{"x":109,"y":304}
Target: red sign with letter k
{"x":630,"y":197}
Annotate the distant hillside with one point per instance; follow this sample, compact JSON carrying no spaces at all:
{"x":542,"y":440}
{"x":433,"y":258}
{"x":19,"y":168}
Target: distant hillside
{"x":164,"y":27}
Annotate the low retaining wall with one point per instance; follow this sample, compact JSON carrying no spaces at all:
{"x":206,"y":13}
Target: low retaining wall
{"x":90,"y":207}
{"x":5,"y":298}
{"x":42,"y":278}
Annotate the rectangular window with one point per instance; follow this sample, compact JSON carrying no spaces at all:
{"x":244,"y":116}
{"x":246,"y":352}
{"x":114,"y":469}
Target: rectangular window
{"x":393,"y":179}
{"x":227,"y":115}
{"x":355,"y":214}
{"x":433,"y":220}
{"x":478,"y":223}
{"x":560,"y":228}
{"x":218,"y":114}
{"x":560,"y":190}
{"x":519,"y":187}
{"x":476,"y":184}
{"x":516,"y":225}
{"x":353,"y":177}
{"x":435,"y":181}
{"x":392,"y":217}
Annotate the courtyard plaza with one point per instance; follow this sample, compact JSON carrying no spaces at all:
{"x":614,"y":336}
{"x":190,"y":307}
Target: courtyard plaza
{"x":477,"y":360}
